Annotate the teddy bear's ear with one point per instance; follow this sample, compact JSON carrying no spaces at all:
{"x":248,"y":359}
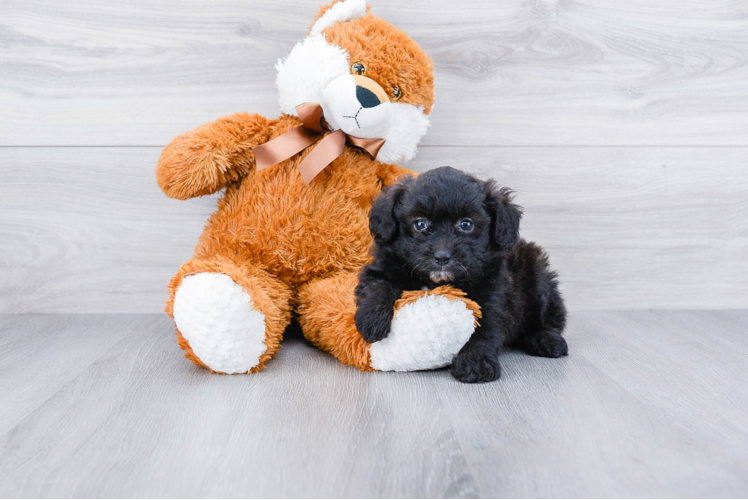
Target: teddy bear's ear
{"x":337,"y":12}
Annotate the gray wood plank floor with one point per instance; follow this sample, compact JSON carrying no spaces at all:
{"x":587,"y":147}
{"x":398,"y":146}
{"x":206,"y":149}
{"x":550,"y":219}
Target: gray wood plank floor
{"x":647,"y":404}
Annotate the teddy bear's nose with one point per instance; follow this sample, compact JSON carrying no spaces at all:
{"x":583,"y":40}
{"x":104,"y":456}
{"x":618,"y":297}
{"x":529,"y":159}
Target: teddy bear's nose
{"x":366,"y":97}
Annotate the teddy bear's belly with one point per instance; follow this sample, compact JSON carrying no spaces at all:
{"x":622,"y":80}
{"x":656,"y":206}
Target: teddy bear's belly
{"x":294,"y":235}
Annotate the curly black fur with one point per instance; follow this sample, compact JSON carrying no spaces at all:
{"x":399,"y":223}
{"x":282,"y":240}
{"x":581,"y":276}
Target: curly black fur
{"x":508,"y":277}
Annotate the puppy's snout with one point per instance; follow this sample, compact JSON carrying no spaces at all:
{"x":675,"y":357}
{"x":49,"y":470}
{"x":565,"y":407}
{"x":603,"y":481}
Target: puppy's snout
{"x":442,"y":256}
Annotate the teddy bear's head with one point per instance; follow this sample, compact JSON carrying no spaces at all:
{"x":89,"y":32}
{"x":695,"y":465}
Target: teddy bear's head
{"x":370,"y":78}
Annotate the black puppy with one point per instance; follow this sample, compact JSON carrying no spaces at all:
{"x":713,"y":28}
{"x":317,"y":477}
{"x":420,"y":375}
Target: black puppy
{"x":448,"y":227}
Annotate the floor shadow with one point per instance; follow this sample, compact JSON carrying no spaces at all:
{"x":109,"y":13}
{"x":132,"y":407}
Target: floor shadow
{"x":293,"y":333}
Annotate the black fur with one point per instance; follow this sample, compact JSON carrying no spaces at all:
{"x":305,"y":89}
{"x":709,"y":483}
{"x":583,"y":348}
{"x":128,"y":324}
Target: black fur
{"x":508,"y":277}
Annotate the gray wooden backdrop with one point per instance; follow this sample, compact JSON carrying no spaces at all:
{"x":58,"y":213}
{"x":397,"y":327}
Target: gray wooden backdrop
{"x":622,"y":124}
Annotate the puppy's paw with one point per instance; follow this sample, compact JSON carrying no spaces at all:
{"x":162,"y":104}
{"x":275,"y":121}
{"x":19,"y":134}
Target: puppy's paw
{"x":547,"y":345}
{"x":475,"y":367}
{"x":373,"y":325}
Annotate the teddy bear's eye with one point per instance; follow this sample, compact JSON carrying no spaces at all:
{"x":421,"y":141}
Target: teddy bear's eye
{"x":396,"y":92}
{"x":358,"y":68}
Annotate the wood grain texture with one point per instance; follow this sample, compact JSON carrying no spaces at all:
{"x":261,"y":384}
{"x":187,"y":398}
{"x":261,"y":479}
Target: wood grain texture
{"x":27,"y":350}
{"x":638,"y":385}
{"x":143,"y":421}
{"x":710,"y":401}
{"x":87,"y":229}
{"x":646,"y":405}
{"x":541,"y":72}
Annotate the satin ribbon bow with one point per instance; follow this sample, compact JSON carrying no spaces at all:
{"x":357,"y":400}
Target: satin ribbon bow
{"x":295,"y":140}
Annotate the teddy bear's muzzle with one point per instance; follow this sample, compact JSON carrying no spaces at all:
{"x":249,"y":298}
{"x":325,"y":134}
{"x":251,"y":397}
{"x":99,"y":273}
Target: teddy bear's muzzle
{"x":357,"y":105}
{"x":368,"y":92}
{"x":367,"y":98}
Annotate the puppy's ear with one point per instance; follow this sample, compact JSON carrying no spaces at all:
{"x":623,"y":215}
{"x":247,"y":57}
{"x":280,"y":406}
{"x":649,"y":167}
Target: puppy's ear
{"x":382,"y":219}
{"x":505,"y":216}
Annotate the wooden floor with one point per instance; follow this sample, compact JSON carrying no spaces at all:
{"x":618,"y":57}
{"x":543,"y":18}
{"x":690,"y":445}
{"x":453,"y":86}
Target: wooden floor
{"x":647,"y":404}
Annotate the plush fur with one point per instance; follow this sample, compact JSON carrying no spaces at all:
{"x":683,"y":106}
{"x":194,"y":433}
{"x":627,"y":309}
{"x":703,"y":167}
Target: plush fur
{"x":392,"y":60}
{"x":338,"y":13}
{"x":307,"y":70}
{"x":291,"y":247}
{"x":446,"y":227}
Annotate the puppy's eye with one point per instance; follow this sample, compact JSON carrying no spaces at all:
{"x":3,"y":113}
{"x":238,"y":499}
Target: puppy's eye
{"x":396,"y":93}
{"x":465,"y":225}
{"x":420,"y":225}
{"x":358,"y":68}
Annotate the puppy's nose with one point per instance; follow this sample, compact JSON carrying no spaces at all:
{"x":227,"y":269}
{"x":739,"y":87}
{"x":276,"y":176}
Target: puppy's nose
{"x":442,"y":256}
{"x":366,"y":97}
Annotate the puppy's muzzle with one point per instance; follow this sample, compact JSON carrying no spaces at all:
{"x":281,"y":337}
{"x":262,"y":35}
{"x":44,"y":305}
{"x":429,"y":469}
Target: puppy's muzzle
{"x":441,"y":276}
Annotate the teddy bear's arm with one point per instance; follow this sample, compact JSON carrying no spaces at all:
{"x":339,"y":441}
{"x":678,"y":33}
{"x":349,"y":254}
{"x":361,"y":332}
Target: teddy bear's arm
{"x":211,"y":156}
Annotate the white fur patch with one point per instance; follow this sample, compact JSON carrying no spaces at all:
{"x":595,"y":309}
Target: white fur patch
{"x":218,"y":319}
{"x":313,"y":64}
{"x":344,"y":111}
{"x":425,"y":334}
{"x":305,"y":73}
{"x":401,"y":125}
{"x":408,"y":124}
{"x":341,"y":11}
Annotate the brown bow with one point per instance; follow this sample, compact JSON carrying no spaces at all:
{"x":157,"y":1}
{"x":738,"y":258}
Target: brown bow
{"x":314,"y":126}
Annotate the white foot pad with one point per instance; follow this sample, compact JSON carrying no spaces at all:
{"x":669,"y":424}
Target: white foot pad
{"x":218,"y":319}
{"x":425,"y":334}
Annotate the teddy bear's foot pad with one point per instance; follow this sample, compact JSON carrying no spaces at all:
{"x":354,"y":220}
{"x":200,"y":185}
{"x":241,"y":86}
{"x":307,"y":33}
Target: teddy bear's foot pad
{"x":425,"y":334}
{"x":219,"y":320}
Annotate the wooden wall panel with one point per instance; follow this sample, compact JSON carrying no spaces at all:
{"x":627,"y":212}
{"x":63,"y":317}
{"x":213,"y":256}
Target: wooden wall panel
{"x":515,"y":72}
{"x":623,"y":125}
{"x":87,"y":229}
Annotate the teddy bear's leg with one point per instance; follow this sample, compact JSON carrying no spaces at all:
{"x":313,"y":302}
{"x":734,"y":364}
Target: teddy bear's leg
{"x":429,"y":328}
{"x":326,"y":310}
{"x":229,"y":317}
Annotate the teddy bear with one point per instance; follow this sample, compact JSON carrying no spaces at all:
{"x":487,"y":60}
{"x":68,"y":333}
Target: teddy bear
{"x":290,"y":233}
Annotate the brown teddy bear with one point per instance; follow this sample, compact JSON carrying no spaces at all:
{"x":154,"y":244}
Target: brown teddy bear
{"x":291,"y":231}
